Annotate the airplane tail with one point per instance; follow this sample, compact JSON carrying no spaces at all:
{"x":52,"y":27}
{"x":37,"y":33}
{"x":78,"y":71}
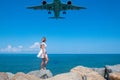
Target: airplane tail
{"x":56,"y":17}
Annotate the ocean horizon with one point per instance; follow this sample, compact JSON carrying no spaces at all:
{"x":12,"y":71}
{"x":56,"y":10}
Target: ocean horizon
{"x":58,"y":63}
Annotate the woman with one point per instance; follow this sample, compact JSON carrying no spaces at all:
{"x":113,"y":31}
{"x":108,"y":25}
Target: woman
{"x":43,"y":54}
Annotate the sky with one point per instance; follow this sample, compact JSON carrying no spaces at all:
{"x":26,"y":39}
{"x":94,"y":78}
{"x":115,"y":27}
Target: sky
{"x":93,"y":30}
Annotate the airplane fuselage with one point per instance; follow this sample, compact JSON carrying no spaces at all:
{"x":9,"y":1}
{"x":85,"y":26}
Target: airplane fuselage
{"x":56,"y":8}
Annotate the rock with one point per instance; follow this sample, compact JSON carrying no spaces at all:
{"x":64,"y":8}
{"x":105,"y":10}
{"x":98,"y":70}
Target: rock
{"x":115,"y":68}
{"x":101,"y":71}
{"x":22,"y":76}
{"x":43,"y":74}
{"x":111,"y":69}
{"x":114,"y":76}
{"x":87,"y":73}
{"x":3,"y":76}
{"x":10,"y":75}
{"x":66,"y":76}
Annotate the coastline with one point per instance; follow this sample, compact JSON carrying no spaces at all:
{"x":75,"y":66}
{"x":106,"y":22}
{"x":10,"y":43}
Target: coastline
{"x":76,"y":73}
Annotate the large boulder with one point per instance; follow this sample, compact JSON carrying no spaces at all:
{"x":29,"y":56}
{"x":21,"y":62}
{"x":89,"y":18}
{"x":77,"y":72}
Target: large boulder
{"x":114,"y":68}
{"x":10,"y":75}
{"x":66,"y":76}
{"x":101,"y":71}
{"x":3,"y":76}
{"x":43,"y":74}
{"x":22,"y":76}
{"x":114,"y":76}
{"x":87,"y":73}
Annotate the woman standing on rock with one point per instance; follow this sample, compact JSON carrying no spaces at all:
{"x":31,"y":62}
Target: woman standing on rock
{"x":43,"y":54}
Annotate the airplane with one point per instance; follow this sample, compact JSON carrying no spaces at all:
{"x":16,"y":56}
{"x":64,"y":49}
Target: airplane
{"x":56,"y":7}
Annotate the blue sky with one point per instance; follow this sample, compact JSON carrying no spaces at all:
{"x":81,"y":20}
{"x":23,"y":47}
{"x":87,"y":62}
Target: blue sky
{"x":94,"y":30}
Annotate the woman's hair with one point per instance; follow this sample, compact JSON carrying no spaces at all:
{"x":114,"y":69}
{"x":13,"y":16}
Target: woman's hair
{"x":43,"y":39}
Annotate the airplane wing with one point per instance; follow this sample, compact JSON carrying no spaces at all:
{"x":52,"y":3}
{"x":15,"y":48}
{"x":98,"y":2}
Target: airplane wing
{"x":70,"y":7}
{"x":42,"y":7}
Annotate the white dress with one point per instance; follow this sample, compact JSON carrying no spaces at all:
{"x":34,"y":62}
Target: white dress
{"x":41,"y":54}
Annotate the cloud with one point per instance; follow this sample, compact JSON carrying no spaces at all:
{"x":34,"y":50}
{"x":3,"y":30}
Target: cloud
{"x":32,"y":48}
{"x":10,"y":48}
{"x":35,"y":45}
{"x":20,"y":47}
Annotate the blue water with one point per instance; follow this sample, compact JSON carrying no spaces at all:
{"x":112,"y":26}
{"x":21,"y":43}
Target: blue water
{"x":58,"y":63}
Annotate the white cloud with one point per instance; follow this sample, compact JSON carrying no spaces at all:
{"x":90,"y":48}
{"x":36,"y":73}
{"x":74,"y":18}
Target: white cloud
{"x":35,"y":45}
{"x":10,"y":48}
{"x":20,"y":47}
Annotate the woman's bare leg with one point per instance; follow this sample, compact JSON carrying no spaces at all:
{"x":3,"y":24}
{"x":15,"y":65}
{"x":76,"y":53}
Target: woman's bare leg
{"x":42,"y":63}
{"x":46,"y":61}
{"x":46,"y":58}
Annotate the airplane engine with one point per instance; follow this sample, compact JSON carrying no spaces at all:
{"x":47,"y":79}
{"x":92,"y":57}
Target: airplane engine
{"x":64,"y":12}
{"x":69,"y":2}
{"x":44,"y":2}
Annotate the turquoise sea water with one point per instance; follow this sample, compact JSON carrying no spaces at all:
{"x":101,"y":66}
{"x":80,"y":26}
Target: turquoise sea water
{"x":58,"y":63}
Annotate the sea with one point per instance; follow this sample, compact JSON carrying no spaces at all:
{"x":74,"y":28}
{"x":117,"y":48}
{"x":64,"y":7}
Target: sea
{"x":58,"y":63}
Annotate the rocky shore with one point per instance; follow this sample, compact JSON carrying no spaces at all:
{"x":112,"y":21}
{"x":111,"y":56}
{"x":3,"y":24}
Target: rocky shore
{"x":77,"y":73}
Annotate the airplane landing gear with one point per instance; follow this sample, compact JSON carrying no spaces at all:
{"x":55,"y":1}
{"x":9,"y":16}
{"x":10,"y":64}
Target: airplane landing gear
{"x":64,"y":12}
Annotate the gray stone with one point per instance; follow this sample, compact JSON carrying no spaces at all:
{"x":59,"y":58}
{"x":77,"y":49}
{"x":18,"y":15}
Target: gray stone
{"x":10,"y":75}
{"x":23,"y":76}
{"x":114,"y":68}
{"x":43,"y":74}
{"x":101,"y":71}
{"x":3,"y":76}
{"x":111,"y":69}
{"x":66,"y":76}
{"x":87,"y":73}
